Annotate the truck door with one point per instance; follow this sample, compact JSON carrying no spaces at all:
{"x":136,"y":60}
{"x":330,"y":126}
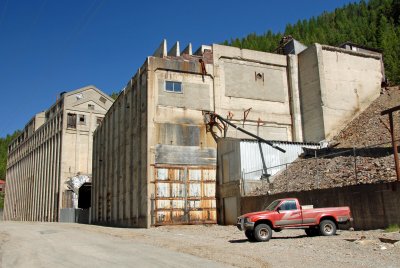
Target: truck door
{"x":288,"y":214}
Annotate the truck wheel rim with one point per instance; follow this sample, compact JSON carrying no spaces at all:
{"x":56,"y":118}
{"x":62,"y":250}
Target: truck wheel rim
{"x":264,"y":233}
{"x":328,"y":228}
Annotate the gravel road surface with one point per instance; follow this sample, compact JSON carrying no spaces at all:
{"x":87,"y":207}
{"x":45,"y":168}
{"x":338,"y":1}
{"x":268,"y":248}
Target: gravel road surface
{"x":24,"y":244}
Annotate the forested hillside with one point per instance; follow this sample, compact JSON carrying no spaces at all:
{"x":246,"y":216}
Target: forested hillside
{"x":4,"y":142}
{"x":374,"y":23}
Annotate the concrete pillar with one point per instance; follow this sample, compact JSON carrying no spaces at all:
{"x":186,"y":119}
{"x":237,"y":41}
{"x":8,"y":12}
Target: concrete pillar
{"x":57,"y":177}
{"x":108,"y":173}
{"x":94,"y":175}
{"x":121,"y":162}
{"x":41,"y":178}
{"x":294,"y":94}
{"x":188,"y":49}
{"x":52,"y":179}
{"x":175,"y":50}
{"x":114,"y":169}
{"x":36,"y":182}
{"x":161,"y":51}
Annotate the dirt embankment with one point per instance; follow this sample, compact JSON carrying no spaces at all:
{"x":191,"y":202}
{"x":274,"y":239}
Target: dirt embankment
{"x":362,"y":154}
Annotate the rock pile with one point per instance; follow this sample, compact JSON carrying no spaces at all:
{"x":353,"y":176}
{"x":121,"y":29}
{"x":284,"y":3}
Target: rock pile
{"x":362,"y":155}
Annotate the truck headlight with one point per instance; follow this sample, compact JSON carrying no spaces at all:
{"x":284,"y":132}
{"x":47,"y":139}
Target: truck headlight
{"x":247,"y":220}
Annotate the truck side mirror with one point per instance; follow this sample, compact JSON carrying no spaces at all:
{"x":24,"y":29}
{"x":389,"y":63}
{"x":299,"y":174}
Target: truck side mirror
{"x":278,"y":209}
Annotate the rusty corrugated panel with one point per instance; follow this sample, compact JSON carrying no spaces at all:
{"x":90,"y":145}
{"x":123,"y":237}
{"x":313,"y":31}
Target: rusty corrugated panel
{"x":184,"y":195}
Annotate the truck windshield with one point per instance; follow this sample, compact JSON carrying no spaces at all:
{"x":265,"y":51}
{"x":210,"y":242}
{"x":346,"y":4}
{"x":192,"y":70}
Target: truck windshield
{"x":273,"y":205}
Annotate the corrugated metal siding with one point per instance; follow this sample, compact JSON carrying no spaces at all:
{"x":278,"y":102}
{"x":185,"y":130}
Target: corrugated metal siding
{"x":251,"y":157}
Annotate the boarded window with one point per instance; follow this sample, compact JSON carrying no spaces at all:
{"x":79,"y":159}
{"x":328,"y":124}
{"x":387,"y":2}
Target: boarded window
{"x":175,"y":87}
{"x":103,"y":100}
{"x":71,"y":120}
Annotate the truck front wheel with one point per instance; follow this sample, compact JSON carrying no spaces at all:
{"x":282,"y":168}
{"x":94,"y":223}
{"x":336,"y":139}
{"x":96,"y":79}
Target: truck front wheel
{"x":262,"y":232}
{"x":250,"y":235}
{"x":327,"y":227}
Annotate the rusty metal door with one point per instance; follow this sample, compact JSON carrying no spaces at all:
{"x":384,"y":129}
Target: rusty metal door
{"x":184,"y":195}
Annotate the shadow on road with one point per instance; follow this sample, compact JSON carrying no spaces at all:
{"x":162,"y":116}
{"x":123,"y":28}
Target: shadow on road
{"x":237,"y":241}
{"x":289,"y":237}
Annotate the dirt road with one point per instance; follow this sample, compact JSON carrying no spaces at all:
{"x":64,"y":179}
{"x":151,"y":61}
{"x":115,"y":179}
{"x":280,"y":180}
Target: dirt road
{"x":74,"y":245}
{"x":63,"y":245}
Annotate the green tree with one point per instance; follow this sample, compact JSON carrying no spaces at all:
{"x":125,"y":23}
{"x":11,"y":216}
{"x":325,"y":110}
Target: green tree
{"x":114,"y":95}
{"x":374,"y":23}
{"x":4,"y":143}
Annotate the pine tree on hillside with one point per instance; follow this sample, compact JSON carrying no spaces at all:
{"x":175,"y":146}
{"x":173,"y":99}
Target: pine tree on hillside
{"x":374,"y":23}
{"x":4,"y":143}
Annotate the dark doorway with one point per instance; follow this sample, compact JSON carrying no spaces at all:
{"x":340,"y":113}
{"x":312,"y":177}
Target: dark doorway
{"x":85,"y":195}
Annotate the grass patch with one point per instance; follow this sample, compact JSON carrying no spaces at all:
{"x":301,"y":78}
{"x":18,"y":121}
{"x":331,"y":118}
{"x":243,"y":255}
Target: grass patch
{"x":1,"y":200}
{"x":393,"y":228}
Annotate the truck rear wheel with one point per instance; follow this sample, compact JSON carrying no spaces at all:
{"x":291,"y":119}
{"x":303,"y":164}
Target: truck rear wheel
{"x":250,"y":235}
{"x":327,"y":227}
{"x":262,"y":232}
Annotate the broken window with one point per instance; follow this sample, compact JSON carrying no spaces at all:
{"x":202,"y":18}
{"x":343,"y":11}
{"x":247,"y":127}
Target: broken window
{"x":259,"y":76}
{"x":171,"y":86}
{"x":99,"y":120}
{"x":90,"y":106}
{"x":82,"y":119}
{"x":71,"y":120}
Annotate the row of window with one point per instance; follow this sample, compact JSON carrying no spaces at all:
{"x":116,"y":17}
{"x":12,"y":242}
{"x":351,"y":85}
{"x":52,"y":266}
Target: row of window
{"x":74,"y":119}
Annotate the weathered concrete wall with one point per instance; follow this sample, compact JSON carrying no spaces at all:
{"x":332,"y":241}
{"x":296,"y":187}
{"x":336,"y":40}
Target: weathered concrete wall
{"x":179,"y":146}
{"x":77,"y":156}
{"x":350,"y":83}
{"x":335,"y":86}
{"x":372,"y":205}
{"x":246,"y":79}
{"x":163,"y":139}
{"x":120,"y":171}
{"x":38,"y":164}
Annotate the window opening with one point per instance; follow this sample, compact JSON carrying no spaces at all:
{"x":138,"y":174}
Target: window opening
{"x":71,"y":120}
{"x":82,"y":119}
{"x":171,"y":86}
{"x":99,"y":120}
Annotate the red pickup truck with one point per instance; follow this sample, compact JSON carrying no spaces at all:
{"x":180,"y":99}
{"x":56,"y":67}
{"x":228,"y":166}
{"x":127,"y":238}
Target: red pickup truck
{"x":287,"y":213}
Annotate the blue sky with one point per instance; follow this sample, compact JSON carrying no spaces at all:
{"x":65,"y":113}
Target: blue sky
{"x":50,"y":46}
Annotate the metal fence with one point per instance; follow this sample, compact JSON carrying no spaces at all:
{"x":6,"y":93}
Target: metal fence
{"x":324,"y":168}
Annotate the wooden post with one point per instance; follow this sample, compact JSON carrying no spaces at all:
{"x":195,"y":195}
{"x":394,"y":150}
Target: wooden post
{"x":394,"y":144}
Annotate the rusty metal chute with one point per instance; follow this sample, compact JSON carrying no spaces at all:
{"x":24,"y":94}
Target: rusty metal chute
{"x":211,"y":119}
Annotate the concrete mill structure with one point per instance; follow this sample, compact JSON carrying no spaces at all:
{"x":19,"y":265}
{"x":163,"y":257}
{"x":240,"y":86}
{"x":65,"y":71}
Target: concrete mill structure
{"x":54,"y":146}
{"x":154,"y":160}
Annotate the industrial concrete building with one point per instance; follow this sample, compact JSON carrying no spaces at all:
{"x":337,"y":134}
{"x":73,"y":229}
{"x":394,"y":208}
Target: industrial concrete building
{"x":54,"y":146}
{"x":155,"y":157}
